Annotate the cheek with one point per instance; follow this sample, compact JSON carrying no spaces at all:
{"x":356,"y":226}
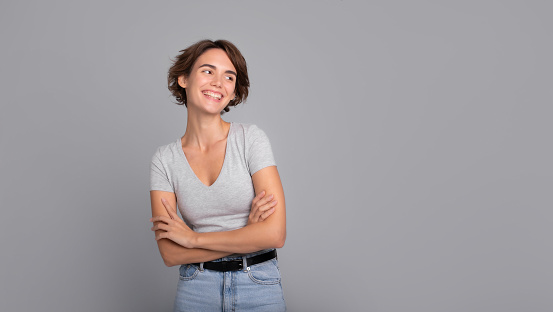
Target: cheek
{"x":231,"y":88}
{"x":202,"y":81}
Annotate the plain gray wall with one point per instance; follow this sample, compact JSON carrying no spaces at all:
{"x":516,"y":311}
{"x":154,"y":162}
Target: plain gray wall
{"x":413,"y":139}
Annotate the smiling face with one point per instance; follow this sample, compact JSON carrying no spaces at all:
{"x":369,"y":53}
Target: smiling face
{"x":210,"y":85}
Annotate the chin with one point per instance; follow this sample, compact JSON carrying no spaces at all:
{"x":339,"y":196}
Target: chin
{"x":214,"y":110}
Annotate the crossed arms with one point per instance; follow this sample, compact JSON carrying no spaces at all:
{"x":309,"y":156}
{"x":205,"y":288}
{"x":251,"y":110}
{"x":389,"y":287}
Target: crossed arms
{"x":266,"y":227}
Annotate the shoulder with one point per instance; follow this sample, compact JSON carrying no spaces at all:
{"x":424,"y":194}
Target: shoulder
{"x":258,"y":151}
{"x":251,"y":132}
{"x":167,"y":151}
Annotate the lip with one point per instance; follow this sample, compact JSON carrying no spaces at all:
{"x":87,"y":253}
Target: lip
{"x":215,"y":92}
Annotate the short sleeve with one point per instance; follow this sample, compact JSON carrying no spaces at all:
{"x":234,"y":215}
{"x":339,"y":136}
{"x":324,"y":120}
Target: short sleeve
{"x":159,"y":179}
{"x":258,"y":150}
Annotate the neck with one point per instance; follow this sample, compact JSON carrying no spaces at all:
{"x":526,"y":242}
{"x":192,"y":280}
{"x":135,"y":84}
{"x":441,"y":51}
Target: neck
{"x":202,"y":131}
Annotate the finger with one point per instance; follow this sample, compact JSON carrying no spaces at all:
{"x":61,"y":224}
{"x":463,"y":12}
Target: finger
{"x":256,"y":215}
{"x":265,"y":200}
{"x":263,"y":209}
{"x":160,"y":235}
{"x":255,"y":203}
{"x":258,"y":197}
{"x":170,"y":210}
{"x":161,"y":226}
{"x":268,"y":205}
{"x":261,"y":203}
{"x":266,"y":214}
{"x":165,"y":219}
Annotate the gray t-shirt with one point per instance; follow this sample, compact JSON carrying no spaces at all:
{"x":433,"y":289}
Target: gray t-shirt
{"x":226,"y":204}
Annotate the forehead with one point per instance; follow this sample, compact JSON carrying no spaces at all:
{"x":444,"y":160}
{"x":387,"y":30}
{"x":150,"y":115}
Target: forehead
{"x":217,"y":58}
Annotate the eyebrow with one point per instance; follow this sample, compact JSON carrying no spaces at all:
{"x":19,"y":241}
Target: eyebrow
{"x":211,"y":66}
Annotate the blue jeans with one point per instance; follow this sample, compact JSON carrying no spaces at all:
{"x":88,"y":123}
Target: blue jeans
{"x":256,"y":289}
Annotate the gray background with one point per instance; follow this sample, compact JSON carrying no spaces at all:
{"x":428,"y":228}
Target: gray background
{"x":413,"y":139}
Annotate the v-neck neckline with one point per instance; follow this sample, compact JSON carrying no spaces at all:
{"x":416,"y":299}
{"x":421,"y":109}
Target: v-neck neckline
{"x":179,"y":143}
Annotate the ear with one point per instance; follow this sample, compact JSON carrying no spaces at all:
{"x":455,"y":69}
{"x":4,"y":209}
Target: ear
{"x":182,"y":81}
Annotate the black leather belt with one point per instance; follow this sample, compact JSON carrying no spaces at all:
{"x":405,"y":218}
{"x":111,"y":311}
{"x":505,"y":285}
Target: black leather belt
{"x":235,"y":265}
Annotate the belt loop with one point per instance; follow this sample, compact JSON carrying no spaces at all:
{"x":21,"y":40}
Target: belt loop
{"x":245,"y":264}
{"x":201,"y":267}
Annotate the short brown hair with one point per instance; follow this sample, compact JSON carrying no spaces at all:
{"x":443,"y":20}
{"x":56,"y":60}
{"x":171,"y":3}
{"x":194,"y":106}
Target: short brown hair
{"x":183,"y":63}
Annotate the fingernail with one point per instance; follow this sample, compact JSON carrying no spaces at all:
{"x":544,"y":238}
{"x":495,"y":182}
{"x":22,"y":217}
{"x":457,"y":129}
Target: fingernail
{"x":271,"y":196}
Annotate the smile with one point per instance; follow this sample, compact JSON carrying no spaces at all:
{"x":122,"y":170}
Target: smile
{"x":214,"y":95}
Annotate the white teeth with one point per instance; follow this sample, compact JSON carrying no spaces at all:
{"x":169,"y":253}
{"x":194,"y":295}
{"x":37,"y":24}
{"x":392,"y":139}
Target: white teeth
{"x":213,"y":95}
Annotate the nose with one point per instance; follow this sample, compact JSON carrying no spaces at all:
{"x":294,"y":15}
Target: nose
{"x":216,"y":81}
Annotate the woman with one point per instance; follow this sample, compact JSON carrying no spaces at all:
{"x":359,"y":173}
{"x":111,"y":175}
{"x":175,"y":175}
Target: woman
{"x":224,"y":179}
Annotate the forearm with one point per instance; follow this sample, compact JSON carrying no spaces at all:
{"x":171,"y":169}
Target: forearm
{"x":271,"y":233}
{"x":178,"y":244}
{"x":171,"y":252}
{"x":174,"y":254}
{"x":251,"y":238}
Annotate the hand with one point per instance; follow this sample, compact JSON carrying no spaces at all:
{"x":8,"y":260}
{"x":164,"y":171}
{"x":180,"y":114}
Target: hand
{"x":173,"y":227}
{"x":262,"y":207}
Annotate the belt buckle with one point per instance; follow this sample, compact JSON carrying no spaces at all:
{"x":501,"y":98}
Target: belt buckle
{"x":230,"y":265}
{"x":239,"y":263}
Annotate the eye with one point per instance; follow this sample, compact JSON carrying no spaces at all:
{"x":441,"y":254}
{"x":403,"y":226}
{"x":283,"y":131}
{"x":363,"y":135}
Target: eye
{"x":207,"y":71}
{"x":230,"y":78}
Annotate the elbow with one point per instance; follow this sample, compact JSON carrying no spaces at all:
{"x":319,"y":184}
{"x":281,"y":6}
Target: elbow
{"x":168,"y":252}
{"x":168,"y":263}
{"x":279,"y":239}
{"x":168,"y":260}
{"x":279,"y":244}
